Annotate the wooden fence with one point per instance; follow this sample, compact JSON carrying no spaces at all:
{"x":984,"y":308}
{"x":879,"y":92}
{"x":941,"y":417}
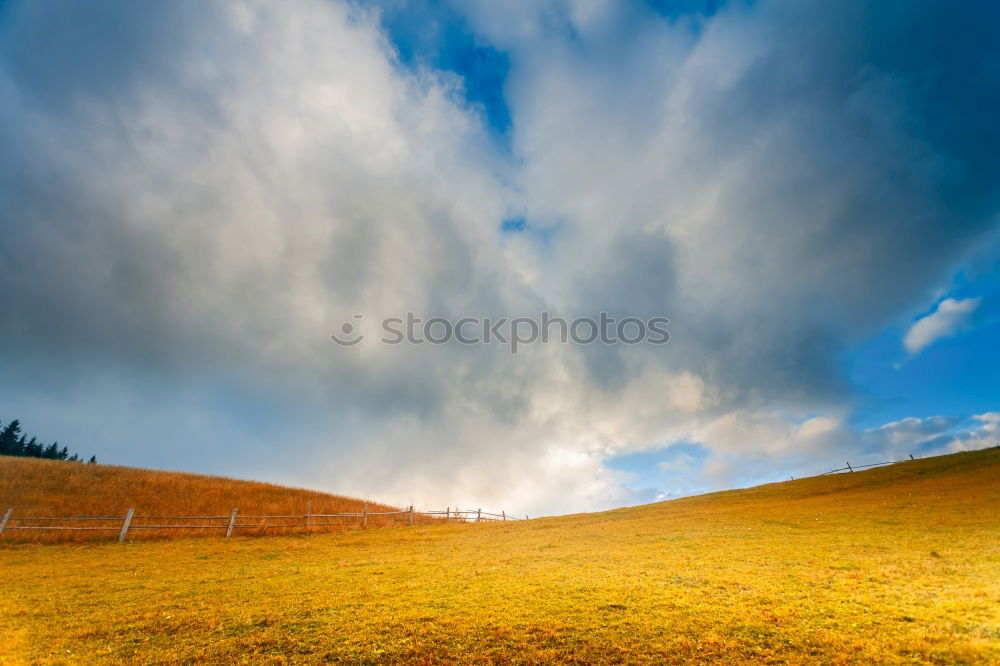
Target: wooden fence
{"x":236,"y":521}
{"x":232,"y":522}
{"x":852,"y":468}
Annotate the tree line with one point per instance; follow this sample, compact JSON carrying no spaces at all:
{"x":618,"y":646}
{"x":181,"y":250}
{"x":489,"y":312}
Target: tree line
{"x":15,"y":443}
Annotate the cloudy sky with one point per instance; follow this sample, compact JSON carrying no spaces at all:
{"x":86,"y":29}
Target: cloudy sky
{"x":195,"y":195}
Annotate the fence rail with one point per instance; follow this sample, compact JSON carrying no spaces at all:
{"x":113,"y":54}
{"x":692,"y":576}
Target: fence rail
{"x":851,"y":468}
{"x":130,"y":521}
{"x":308,"y":519}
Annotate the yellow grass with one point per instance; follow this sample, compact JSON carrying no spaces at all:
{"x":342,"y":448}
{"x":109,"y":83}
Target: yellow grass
{"x":48,"y":488}
{"x":893,"y":565}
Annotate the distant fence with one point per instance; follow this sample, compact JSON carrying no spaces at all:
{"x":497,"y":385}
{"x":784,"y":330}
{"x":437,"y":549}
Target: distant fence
{"x":236,"y":521}
{"x":852,"y":468}
{"x":232,"y":522}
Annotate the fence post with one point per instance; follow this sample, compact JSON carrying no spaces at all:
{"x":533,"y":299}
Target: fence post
{"x":504,"y":514}
{"x":411,"y":514}
{"x":364,"y":521}
{"x":447,"y":514}
{"x":125,"y":524}
{"x":6,"y":517}
{"x":849,"y":465}
{"x":479,"y":514}
{"x":911,"y":457}
{"x":232,"y":523}
{"x":309,"y":511}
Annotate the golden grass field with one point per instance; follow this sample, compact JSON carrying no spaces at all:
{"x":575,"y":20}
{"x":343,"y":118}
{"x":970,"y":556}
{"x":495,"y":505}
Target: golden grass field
{"x":899,"y":564}
{"x":46,"y":488}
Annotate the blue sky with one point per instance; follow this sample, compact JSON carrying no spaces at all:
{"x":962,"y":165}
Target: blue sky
{"x":432,"y":35}
{"x":954,"y":375}
{"x":196,"y":195}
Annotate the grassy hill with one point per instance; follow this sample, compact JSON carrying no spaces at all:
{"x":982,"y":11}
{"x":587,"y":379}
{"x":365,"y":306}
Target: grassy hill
{"x":892,"y":565}
{"x":35,"y":487}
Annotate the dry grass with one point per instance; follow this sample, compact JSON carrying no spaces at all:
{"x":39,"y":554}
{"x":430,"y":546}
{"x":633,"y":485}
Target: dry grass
{"x":892,"y":565}
{"x":46,"y":488}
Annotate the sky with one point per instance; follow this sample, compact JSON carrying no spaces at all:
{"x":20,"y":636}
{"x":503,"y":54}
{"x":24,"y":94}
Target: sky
{"x":194,"y":196}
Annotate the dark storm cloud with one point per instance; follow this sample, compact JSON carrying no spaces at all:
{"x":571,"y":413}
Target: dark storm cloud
{"x":810,"y":164}
{"x":195,"y":194}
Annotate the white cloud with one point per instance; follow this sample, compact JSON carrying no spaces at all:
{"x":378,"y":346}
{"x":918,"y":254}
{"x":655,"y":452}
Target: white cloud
{"x":933,"y":435}
{"x":949,"y":317}
{"x":747,"y":447}
{"x":989,"y":417}
{"x":911,"y":431}
{"x":209,"y":208}
{"x":979,"y":436}
{"x":682,"y":462}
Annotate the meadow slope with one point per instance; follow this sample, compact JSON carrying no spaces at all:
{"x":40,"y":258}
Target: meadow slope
{"x":34,"y":487}
{"x":892,"y":565}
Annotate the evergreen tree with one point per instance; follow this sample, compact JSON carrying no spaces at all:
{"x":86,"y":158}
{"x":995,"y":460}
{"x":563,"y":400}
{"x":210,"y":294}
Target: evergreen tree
{"x":8,"y":438}
{"x":15,"y":443}
{"x":31,"y":447}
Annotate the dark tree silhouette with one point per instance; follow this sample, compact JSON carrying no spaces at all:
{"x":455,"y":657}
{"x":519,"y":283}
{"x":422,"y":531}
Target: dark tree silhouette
{"x":9,"y":444}
{"x":15,"y":443}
